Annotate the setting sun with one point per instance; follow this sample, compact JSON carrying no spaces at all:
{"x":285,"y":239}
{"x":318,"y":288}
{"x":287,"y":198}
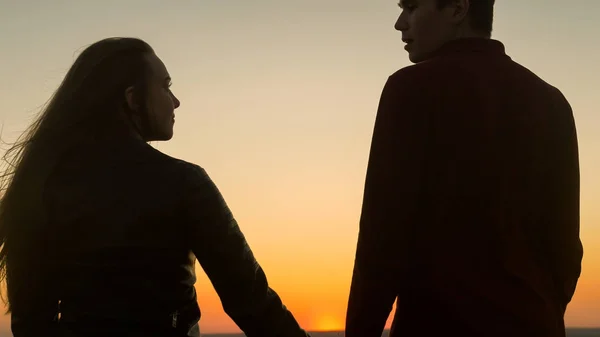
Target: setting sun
{"x":328,"y":323}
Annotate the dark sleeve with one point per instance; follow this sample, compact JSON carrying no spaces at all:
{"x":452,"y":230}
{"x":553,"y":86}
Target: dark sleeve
{"x":34,"y":309}
{"x":225,"y":256}
{"x":389,"y":210}
{"x":42,"y":322}
{"x":562,"y":240}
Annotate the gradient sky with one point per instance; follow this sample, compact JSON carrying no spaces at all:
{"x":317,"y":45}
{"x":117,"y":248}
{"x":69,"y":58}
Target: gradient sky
{"x":278,"y":105}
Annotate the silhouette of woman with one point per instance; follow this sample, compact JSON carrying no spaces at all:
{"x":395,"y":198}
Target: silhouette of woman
{"x":100,"y":231}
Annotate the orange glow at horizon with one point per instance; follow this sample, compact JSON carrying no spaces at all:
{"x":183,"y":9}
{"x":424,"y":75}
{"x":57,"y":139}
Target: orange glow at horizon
{"x":321,"y":306}
{"x":328,"y":322}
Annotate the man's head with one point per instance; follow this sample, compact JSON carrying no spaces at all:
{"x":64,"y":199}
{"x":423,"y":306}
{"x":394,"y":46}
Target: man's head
{"x":426,"y":25}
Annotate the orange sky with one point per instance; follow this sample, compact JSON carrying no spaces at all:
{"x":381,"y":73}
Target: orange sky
{"x":278,"y":104}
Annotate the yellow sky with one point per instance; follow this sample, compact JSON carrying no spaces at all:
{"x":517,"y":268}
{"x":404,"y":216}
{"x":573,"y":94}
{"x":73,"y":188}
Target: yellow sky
{"x":278,"y":104}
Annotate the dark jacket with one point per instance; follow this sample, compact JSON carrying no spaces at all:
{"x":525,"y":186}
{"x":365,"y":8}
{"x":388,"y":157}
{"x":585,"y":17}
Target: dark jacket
{"x":126,"y":224}
{"x":470,"y":217}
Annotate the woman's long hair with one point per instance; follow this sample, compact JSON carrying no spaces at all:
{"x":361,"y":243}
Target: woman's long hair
{"x":87,"y":106}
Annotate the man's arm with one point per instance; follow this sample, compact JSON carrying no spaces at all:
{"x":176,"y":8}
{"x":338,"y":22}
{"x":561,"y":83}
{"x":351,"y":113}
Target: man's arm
{"x":391,"y":205}
{"x":562,"y":234}
{"x":225,"y":256}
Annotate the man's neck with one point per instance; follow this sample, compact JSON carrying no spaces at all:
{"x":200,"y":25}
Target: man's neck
{"x":468,"y":33}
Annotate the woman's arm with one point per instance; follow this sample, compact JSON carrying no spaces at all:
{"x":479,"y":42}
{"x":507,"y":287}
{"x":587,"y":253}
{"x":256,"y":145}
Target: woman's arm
{"x":225,"y":256}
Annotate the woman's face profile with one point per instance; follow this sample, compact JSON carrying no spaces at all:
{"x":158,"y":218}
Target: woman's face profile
{"x":161,"y":102}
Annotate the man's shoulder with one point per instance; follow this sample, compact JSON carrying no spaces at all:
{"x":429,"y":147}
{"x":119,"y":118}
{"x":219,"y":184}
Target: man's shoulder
{"x":455,"y":71}
{"x":417,"y":79}
{"x":536,"y":84}
{"x":428,"y":73}
{"x":441,"y":67}
{"x":410,"y":72}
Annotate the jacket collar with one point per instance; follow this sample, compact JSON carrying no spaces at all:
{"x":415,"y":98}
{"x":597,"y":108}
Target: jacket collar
{"x":471,"y":45}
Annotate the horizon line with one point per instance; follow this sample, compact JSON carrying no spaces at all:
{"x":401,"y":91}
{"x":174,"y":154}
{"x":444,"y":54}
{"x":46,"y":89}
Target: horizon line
{"x":325,"y":331}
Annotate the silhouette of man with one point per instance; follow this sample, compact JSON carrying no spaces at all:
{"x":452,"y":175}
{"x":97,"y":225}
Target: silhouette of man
{"x":470,"y":218}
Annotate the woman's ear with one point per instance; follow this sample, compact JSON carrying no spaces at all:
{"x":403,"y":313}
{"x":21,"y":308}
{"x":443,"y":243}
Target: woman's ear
{"x":130,"y":98}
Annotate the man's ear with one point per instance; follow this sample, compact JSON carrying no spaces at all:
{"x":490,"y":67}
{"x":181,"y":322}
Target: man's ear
{"x":130,"y":98}
{"x":460,"y":10}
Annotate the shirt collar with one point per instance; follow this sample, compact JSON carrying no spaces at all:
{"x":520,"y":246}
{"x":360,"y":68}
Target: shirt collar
{"x":471,"y":45}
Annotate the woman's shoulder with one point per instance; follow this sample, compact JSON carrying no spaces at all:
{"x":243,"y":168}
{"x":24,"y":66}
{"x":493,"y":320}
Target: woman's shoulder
{"x":150,"y":154}
{"x":192,"y":174}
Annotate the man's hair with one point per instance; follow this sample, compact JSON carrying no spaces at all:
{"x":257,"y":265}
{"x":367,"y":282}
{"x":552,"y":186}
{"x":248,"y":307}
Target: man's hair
{"x":481,"y":14}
